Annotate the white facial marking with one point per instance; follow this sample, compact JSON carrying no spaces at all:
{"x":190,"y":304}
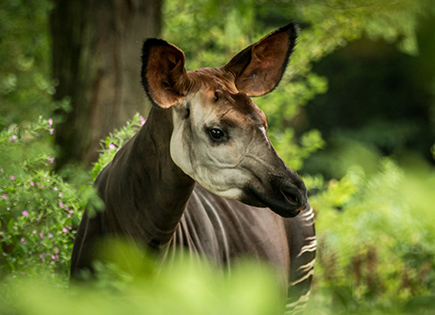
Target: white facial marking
{"x":218,"y":167}
{"x":264,"y":132}
{"x":215,"y":167}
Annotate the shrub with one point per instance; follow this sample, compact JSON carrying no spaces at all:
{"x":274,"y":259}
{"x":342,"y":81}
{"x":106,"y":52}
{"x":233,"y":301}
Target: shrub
{"x":38,"y":209}
{"x":376,"y":237}
{"x":186,"y":287}
{"x":115,"y":141}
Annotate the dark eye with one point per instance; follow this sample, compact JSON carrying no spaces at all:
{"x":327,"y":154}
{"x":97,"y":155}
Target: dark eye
{"x":217,"y":95}
{"x":216,"y":134}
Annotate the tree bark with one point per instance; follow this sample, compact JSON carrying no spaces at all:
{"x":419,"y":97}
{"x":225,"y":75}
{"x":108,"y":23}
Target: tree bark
{"x":96,"y":63}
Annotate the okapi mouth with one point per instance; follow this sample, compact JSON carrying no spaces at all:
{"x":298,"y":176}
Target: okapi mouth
{"x":280,"y":203}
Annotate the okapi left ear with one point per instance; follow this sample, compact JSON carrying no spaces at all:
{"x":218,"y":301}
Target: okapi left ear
{"x":259,"y":67}
{"x":163,"y":75}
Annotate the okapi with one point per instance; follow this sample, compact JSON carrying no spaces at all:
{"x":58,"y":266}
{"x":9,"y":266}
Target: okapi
{"x":201,"y":172}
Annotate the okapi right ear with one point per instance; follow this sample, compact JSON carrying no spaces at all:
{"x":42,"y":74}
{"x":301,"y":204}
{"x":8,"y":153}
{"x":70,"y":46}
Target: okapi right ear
{"x":163,"y":74}
{"x":258,"y":68}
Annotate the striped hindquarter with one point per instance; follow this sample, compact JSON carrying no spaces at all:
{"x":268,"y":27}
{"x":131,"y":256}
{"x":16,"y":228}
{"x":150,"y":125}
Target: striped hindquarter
{"x":302,"y":245}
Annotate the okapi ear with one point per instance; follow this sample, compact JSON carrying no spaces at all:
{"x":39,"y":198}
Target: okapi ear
{"x":163,"y":74}
{"x":259,"y":67}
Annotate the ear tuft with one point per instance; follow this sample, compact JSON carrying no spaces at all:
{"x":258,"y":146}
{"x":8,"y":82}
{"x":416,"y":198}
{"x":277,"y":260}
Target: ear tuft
{"x":163,"y":72}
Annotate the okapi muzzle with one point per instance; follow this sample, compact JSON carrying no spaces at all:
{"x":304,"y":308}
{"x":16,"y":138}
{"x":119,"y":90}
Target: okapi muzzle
{"x":219,"y":135}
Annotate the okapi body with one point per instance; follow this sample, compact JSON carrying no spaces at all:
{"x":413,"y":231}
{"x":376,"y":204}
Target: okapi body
{"x":202,"y":175}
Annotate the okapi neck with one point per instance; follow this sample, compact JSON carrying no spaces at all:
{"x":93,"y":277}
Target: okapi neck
{"x":154,"y":191}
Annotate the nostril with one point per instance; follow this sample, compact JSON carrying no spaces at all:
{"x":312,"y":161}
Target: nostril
{"x":292,"y":195}
{"x":291,"y":192}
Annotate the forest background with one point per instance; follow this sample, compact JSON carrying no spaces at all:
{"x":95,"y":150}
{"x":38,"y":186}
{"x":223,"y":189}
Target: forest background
{"x":354,"y":115}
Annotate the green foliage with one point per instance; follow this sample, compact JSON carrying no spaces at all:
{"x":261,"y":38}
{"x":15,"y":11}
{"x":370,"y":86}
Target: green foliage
{"x":377,"y":97}
{"x":115,"y":141}
{"x":25,"y":85}
{"x":294,"y":154}
{"x":376,"y":238}
{"x":182,"y":287}
{"x":38,"y":209}
{"x":374,"y":219}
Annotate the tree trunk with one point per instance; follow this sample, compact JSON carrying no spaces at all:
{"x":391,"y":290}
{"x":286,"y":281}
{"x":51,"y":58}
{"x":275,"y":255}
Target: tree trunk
{"x":96,"y":62}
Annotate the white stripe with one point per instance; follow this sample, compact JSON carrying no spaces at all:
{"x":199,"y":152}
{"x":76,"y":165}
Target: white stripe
{"x":311,"y":223}
{"x":311,"y":247}
{"x":305,"y":268}
{"x":263,"y":131}
{"x":307,"y":212}
{"x":298,"y":306}
{"x":224,"y":235}
{"x":310,"y":216}
{"x":307,"y":275}
{"x":297,"y":310}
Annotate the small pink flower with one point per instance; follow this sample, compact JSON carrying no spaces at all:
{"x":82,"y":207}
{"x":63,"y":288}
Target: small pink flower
{"x":50,"y":121}
{"x":50,"y":235}
{"x":60,"y":195}
{"x":4,"y":197}
{"x":25,"y":213}
{"x":56,"y":250}
{"x":51,"y":131}
{"x":55,"y":189}
{"x":2,"y":170}
{"x":32,"y":183}
{"x":23,"y":241}
{"x":13,"y":138}
{"x":50,"y":159}
{"x":142,"y":121}
{"x":41,"y":235}
{"x":12,"y":177}
{"x":64,"y":230}
{"x":112,"y":146}
{"x":60,"y":204}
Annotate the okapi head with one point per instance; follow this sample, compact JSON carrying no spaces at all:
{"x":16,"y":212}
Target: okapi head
{"x":219,"y":135}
